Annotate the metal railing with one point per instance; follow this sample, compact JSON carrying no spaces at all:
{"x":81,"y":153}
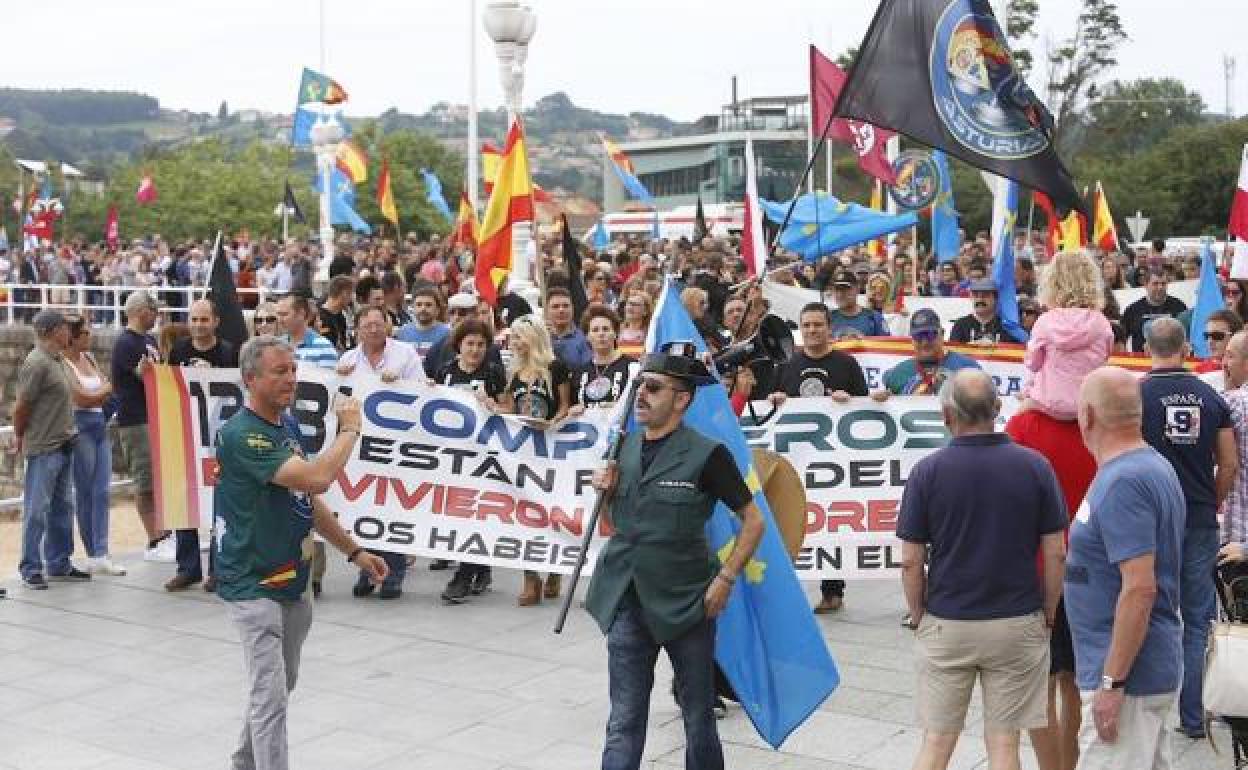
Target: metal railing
{"x":102,"y":305}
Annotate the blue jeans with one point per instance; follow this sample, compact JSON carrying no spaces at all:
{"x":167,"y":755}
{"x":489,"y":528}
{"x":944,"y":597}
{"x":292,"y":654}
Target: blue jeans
{"x":93,"y":469}
{"x":47,"y":515}
{"x":187,"y":554}
{"x":632,"y":653}
{"x":1198,"y":603}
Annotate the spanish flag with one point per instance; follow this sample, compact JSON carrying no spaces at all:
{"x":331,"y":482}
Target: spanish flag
{"x":1104,"y":233}
{"x":353,"y":162}
{"x":385,"y":197}
{"x":491,"y":158}
{"x":174,"y":477}
{"x":511,"y":201}
{"x":467,"y":227}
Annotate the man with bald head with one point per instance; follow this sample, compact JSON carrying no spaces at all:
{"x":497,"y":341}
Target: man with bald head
{"x":1187,"y":421}
{"x":974,"y":516}
{"x":202,"y":349}
{"x":1122,"y":583}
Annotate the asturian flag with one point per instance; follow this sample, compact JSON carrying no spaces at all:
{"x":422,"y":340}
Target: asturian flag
{"x":766,"y":640}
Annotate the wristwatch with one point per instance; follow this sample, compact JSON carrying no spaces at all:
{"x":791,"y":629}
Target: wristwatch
{"x":1109,"y":683}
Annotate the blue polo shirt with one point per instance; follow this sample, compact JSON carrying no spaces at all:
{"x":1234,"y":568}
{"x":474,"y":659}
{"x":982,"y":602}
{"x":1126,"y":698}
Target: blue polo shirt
{"x":1182,"y":417}
{"x":981,"y":504}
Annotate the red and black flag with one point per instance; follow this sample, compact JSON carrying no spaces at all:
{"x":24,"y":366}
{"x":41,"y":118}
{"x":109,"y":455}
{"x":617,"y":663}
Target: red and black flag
{"x":941,"y":72}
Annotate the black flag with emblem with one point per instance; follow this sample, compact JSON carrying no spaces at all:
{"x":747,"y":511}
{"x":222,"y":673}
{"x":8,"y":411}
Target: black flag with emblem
{"x":292,"y":205}
{"x":941,"y":72}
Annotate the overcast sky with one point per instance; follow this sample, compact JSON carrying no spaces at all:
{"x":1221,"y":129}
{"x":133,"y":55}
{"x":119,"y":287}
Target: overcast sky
{"x":673,"y":57}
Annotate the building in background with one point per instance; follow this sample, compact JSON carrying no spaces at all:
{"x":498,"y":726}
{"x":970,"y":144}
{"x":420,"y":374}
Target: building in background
{"x":711,"y":165}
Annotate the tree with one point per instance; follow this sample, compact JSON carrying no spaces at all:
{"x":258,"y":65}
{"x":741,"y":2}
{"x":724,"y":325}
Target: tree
{"x":1131,"y":117}
{"x":1020,"y":22}
{"x":1076,"y":65}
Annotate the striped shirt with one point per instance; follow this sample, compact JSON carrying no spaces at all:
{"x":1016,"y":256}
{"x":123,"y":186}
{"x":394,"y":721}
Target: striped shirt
{"x":316,"y":350}
{"x":1235,"y":509}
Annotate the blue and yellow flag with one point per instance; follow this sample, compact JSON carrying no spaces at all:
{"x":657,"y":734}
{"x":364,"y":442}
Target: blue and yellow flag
{"x":945,"y":238}
{"x":1003,"y":265}
{"x":821,"y":224}
{"x":342,"y":201}
{"x":1208,"y":299}
{"x":766,"y":639}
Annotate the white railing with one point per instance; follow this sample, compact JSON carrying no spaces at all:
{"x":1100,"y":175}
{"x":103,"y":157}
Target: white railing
{"x":101,"y":305}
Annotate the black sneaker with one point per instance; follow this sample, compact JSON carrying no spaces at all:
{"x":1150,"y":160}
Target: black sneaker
{"x":437,"y":565}
{"x":35,"y":582}
{"x":390,"y":592}
{"x":457,"y":590}
{"x":363,"y":587}
{"x":74,"y":575}
{"x":481,"y":582}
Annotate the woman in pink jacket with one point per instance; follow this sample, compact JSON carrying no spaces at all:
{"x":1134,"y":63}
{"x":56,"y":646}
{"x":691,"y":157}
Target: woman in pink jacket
{"x":1070,"y":339}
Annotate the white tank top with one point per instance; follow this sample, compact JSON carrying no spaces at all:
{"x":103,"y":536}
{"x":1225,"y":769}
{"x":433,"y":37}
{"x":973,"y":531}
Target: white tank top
{"x":89,"y":383}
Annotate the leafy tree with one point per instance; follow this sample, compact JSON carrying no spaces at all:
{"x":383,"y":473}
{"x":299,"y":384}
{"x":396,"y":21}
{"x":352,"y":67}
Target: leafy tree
{"x":1076,"y":65}
{"x":1020,"y":22}
{"x":1130,"y":117}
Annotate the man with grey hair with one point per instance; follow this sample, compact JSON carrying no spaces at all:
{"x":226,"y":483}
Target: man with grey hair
{"x":1189,"y":423}
{"x":266,"y":504}
{"x":43,"y":424}
{"x":135,"y":351}
{"x":973,"y":518}
{"x":1122,"y":581}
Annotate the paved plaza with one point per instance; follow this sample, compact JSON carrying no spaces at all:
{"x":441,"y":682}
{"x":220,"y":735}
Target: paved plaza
{"x":120,"y":675}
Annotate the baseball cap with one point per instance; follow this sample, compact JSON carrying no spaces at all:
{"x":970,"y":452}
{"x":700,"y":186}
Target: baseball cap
{"x":844,"y":278}
{"x":47,"y":320}
{"x":924,"y":319}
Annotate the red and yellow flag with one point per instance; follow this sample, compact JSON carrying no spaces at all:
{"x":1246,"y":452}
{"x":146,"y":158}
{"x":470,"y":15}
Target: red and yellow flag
{"x":511,"y":201}
{"x":174,"y":485}
{"x":353,"y":161}
{"x":877,"y":246}
{"x":491,"y":158}
{"x":385,"y":197}
{"x":1104,"y":233}
{"x":467,"y":228}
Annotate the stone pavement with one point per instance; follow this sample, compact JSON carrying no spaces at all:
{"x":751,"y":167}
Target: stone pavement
{"x":119,"y":675}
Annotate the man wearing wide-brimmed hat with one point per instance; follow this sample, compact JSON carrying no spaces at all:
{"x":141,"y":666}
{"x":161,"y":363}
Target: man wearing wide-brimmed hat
{"x":656,"y":584}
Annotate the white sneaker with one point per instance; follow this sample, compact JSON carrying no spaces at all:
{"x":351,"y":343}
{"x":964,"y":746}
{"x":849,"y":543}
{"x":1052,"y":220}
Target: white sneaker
{"x":166,"y":551}
{"x":105,"y":566}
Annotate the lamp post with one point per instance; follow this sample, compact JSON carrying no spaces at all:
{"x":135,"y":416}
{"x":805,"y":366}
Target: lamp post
{"x":325,"y":137}
{"x":511,"y":26}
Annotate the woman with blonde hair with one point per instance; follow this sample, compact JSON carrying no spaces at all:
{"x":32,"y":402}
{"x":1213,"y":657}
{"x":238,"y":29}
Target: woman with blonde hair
{"x":539,"y":389}
{"x":264,"y":319}
{"x":636,"y":311}
{"x":1071,"y":338}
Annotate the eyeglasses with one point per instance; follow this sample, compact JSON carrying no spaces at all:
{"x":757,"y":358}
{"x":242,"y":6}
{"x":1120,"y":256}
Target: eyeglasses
{"x":925,"y":335}
{"x":1216,"y":336}
{"x":267,"y":319}
{"x":1236,"y":292}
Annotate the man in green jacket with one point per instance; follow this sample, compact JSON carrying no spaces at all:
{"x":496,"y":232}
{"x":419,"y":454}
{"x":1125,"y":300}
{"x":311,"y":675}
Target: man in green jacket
{"x":657,"y":584}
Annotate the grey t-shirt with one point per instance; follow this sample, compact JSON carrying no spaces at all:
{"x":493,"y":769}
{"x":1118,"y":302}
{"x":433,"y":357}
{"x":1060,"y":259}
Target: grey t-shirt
{"x":43,"y":383}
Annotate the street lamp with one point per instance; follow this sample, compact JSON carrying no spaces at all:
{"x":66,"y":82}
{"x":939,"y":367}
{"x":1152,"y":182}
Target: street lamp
{"x":325,"y":135}
{"x":511,"y":26}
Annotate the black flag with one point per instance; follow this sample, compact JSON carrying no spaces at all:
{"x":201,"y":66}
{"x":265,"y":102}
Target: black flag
{"x":700,"y":230}
{"x":292,"y":205}
{"x":576,"y":272}
{"x":224,"y":297}
{"x":941,"y":72}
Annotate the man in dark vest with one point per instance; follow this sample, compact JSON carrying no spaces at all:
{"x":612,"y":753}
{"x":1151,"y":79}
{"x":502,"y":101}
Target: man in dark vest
{"x":657,"y":585}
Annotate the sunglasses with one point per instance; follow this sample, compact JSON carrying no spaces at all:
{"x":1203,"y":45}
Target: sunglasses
{"x":266,"y":319}
{"x":1216,"y":336}
{"x":654,"y":387}
{"x":925,"y":335}
{"x":1232,"y":293}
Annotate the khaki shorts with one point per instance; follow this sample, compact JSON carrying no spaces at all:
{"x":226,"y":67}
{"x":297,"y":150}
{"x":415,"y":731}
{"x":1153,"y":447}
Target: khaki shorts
{"x":1009,"y":657}
{"x":138,"y":456}
{"x":1143,"y":741}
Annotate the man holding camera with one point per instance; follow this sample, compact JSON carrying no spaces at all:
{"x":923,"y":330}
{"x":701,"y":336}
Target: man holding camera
{"x":820,"y":371}
{"x":655,"y":586}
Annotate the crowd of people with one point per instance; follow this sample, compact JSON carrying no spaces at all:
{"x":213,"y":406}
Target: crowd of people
{"x":1141,"y":477}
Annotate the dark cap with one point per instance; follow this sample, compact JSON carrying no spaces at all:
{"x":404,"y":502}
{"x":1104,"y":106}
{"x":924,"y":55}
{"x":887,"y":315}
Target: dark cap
{"x":983,"y":284}
{"x":844,"y":277}
{"x":925,"y":320}
{"x":46,"y":321}
{"x":680,"y":360}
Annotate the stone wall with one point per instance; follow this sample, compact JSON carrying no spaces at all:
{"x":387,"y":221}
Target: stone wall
{"x":16,"y":340}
